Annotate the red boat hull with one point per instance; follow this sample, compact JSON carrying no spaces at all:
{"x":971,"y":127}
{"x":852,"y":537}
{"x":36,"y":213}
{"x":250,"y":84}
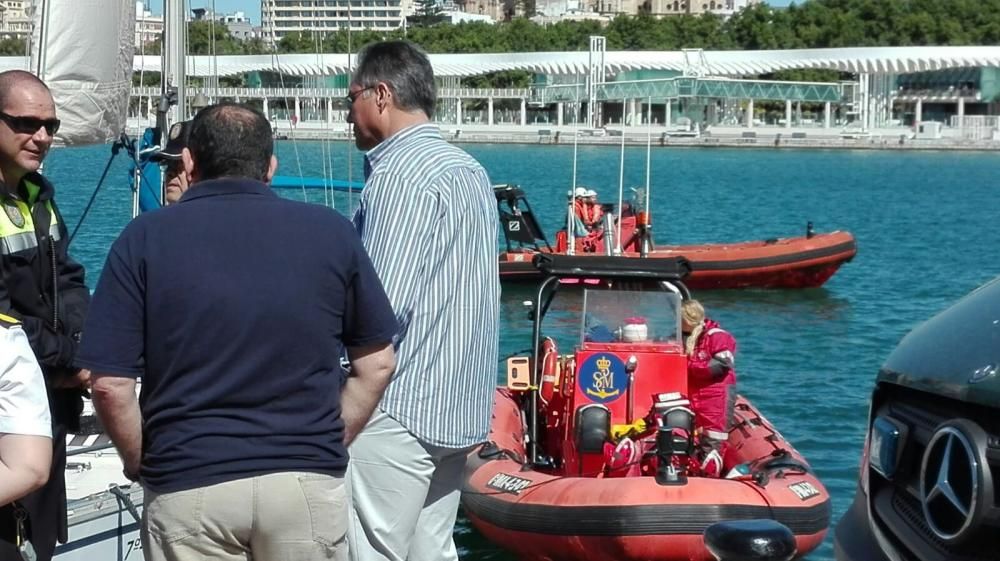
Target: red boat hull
{"x":551,"y":517}
{"x":800,"y":262}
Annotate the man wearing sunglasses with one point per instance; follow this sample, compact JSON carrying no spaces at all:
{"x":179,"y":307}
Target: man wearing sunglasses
{"x":42,"y":287}
{"x":175,"y":181}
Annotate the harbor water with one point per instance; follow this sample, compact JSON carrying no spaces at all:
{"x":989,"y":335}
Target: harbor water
{"x":925,"y":223}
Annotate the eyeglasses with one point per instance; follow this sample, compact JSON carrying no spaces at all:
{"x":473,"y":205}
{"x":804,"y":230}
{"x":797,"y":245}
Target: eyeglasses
{"x":172,"y":167}
{"x":352,"y":97}
{"x":30,"y":125}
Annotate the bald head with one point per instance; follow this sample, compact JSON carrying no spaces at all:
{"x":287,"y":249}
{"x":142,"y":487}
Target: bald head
{"x":13,"y":81}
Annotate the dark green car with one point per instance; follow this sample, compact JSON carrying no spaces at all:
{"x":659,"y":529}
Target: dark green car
{"x":929,"y":487}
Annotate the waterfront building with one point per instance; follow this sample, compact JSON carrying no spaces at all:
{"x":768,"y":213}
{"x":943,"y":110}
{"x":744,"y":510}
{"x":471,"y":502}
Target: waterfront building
{"x":611,"y":8}
{"x":238,"y":23}
{"x":497,"y":10}
{"x":14,"y":20}
{"x":573,"y":15}
{"x":148,"y":26}
{"x":458,"y":16}
{"x":949,"y":91}
{"x":282,"y":17}
{"x":724,"y":8}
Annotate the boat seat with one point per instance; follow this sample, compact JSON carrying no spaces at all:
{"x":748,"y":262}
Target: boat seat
{"x":593,"y":428}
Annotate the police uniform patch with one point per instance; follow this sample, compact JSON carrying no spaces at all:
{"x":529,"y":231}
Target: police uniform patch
{"x":14,"y":213}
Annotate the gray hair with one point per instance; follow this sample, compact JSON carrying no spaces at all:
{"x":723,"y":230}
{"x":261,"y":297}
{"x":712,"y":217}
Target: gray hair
{"x":405,"y":68}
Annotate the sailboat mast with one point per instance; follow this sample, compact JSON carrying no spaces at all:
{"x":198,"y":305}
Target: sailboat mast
{"x":174,"y":73}
{"x":43,"y":28}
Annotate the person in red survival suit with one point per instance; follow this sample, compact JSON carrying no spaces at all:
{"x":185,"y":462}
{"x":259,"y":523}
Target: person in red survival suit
{"x":711,"y":354}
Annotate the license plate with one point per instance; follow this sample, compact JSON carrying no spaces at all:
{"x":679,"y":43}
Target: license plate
{"x":886,"y":445}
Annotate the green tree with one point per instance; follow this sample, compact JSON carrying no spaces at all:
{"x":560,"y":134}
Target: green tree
{"x":12,"y":47}
{"x":206,"y":37}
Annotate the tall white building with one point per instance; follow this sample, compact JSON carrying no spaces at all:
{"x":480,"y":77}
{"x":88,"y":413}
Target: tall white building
{"x":14,"y":19}
{"x":148,"y":27}
{"x":281,"y":17}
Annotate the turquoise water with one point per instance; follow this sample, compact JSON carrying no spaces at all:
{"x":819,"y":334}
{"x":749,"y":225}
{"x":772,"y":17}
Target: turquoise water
{"x":925,"y":222}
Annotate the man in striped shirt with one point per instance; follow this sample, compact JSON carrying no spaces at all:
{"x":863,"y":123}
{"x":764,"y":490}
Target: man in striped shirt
{"x":427,"y":218}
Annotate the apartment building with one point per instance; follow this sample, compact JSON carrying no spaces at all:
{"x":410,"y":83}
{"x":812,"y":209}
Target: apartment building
{"x":148,"y":26}
{"x":15,"y":23}
{"x":281,"y":17}
{"x":237,"y":23}
{"x":696,"y":7}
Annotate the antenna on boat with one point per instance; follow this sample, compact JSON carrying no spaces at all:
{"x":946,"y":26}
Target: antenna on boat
{"x":645,"y":222}
{"x":347,"y":124}
{"x":621,"y":185}
{"x":570,"y":212}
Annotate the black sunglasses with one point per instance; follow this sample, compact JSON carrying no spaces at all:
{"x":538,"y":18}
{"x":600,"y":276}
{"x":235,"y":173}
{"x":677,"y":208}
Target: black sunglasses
{"x":30,"y":125}
{"x":352,"y":97}
{"x":172,"y":166}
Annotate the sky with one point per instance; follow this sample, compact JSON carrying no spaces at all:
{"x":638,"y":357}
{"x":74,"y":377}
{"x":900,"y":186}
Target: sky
{"x":252,"y":7}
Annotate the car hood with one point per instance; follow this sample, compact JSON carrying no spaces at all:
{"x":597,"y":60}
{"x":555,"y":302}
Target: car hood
{"x":956,"y":353}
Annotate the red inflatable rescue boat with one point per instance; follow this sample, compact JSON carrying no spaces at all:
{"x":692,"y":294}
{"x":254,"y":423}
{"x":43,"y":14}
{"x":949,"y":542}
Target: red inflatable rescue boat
{"x":591,"y":454}
{"x":794,"y":262}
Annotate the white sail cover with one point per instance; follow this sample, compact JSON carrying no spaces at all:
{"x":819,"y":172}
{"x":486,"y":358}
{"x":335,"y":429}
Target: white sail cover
{"x":83,"y":50}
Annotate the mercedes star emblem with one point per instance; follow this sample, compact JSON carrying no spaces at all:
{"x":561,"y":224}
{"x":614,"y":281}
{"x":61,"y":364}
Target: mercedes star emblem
{"x":955,"y":483}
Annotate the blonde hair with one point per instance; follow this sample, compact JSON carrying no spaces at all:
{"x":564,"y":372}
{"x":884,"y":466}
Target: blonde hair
{"x":693,"y":314}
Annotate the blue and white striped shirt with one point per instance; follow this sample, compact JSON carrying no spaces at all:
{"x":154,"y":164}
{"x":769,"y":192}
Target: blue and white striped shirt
{"x":427,"y":217}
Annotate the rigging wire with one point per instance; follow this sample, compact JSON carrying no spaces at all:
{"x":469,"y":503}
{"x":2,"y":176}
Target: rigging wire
{"x":621,"y":185}
{"x":570,"y":230}
{"x":649,"y":150}
{"x":100,"y":183}
{"x":281,"y":80}
{"x":348,"y":126}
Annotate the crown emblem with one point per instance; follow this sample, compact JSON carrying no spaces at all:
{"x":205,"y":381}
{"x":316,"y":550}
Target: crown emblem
{"x":603,"y":364}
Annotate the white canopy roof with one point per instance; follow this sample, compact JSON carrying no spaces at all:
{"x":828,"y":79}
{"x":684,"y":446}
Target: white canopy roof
{"x":875,"y":60}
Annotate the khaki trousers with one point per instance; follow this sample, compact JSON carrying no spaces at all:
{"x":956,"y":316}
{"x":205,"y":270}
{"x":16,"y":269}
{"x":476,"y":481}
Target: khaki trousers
{"x":404,"y":493}
{"x":274,"y":517}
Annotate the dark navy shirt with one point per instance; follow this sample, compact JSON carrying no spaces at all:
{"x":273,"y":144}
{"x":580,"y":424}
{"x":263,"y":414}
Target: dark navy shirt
{"x":233,"y":306}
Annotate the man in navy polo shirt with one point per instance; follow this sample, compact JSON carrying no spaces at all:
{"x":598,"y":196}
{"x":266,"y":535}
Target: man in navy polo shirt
{"x":233,"y":306}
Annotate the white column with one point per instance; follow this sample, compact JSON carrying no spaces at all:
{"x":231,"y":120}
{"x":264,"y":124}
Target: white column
{"x":961,"y":114}
{"x":559,"y":114}
{"x":667,"y":117}
{"x":748,"y":117}
{"x":267,"y":114}
{"x":458,"y":111}
{"x":298,"y":110}
{"x":798,"y":113}
{"x":826,"y":115}
{"x":149,"y":106}
{"x":788,"y":113}
{"x":329,"y":112}
{"x":489,"y":111}
{"x":632,"y":112}
{"x":524,"y":112}
{"x":918,"y":114}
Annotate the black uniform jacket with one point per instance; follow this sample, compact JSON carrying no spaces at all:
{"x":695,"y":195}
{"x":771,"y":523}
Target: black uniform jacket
{"x":44,"y":288}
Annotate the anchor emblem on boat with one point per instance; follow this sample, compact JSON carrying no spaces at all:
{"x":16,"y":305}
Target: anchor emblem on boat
{"x":602,"y":380}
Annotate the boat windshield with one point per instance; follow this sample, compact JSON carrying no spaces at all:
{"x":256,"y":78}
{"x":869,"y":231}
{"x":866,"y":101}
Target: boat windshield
{"x":630,"y":316}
